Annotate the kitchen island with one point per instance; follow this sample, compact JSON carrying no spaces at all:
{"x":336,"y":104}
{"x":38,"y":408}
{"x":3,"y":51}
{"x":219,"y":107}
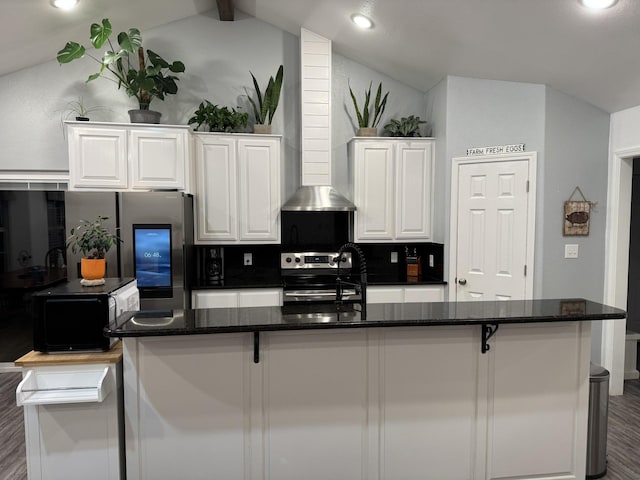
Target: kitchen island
{"x":473,"y":390}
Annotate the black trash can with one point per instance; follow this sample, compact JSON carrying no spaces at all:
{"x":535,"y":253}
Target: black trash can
{"x":598,"y":416}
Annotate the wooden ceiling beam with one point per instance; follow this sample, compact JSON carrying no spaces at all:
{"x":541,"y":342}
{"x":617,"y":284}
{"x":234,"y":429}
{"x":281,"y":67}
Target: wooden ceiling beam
{"x":225,"y":10}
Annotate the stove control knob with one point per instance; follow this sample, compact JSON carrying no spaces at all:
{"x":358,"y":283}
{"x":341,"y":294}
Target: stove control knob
{"x":297,"y":259}
{"x":288,"y":260}
{"x":334,"y":259}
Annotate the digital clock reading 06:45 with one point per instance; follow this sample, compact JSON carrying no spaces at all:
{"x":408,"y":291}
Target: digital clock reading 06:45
{"x":152,"y":255}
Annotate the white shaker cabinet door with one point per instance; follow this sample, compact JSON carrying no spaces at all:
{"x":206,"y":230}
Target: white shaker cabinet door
{"x":414,"y":184}
{"x":158,"y":158}
{"x":97,"y":158}
{"x":216,"y":201}
{"x":374,"y":191}
{"x":259,"y":184}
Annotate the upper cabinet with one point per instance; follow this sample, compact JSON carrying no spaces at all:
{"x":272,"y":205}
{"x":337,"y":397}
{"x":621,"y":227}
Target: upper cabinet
{"x":393,"y":189}
{"x":121,"y":157}
{"x":238,"y":196}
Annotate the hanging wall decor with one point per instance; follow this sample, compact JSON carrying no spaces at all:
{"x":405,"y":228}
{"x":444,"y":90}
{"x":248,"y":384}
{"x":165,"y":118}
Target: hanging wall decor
{"x":577,"y":215}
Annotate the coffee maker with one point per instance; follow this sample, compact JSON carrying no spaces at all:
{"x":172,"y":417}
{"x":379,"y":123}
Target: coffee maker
{"x":213,"y":266}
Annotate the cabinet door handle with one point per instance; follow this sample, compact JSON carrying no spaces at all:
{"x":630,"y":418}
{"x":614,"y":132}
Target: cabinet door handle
{"x":462,"y":281}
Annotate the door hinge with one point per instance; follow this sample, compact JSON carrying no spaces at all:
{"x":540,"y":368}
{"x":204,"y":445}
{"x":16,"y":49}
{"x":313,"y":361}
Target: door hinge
{"x":527,"y":186}
{"x":525,"y":270}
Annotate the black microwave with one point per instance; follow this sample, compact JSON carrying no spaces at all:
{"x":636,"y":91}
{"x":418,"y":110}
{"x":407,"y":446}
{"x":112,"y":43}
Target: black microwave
{"x":71,"y":317}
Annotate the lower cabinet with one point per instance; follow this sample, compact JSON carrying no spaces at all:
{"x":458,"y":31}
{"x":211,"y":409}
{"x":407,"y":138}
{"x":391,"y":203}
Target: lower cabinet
{"x":246,"y":297}
{"x":73,"y":422}
{"x":389,"y":403}
{"x":406,"y":294}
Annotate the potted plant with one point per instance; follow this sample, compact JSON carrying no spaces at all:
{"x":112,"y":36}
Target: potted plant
{"x":366,"y":128}
{"x":93,"y":240}
{"x":218,"y":119}
{"x":78,"y":110}
{"x":405,"y":127}
{"x":151,"y":79}
{"x":267,"y":102}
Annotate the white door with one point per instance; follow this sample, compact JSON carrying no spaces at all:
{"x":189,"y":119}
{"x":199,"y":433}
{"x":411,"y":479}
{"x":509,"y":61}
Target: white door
{"x":493,"y":244}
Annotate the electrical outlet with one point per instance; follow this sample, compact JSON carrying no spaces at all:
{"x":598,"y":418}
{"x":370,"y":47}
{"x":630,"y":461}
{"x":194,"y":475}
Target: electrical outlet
{"x":394,"y":257}
{"x":571,"y":250}
{"x":248,"y":259}
{"x":432,"y":262}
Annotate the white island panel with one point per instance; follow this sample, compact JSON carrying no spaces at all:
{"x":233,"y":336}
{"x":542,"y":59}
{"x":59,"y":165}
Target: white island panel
{"x":190,"y":417}
{"x":428,"y":406}
{"x":315,"y":404}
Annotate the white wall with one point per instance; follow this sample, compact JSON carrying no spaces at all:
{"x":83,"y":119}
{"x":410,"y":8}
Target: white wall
{"x":218,"y":57}
{"x":576,"y":142}
{"x":624,"y":144}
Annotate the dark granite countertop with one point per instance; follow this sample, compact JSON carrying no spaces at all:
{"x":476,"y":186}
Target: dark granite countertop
{"x":223,"y":320}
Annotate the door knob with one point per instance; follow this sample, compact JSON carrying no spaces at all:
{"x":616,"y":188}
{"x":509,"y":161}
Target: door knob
{"x":462,"y":281}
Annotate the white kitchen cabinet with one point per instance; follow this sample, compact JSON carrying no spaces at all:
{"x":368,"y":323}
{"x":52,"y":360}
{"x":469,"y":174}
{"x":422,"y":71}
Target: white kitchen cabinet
{"x":73,"y":420}
{"x":238,"y":188}
{"x":393,"y":189}
{"x":246,"y":297}
{"x":405,"y":294}
{"x":127,"y":157}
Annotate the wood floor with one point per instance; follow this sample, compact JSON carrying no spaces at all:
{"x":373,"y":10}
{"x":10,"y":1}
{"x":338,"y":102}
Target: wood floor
{"x":623,"y":438}
{"x":13,"y":464}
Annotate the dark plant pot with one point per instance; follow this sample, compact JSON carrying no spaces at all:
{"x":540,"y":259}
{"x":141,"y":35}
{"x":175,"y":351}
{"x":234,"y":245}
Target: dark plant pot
{"x":144,"y":116}
{"x":82,"y":119}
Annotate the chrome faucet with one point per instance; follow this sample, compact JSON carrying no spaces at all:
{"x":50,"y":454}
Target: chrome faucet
{"x":361,"y":286}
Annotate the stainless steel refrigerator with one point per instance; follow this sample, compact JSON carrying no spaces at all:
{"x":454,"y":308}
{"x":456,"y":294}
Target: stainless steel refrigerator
{"x":157,"y":247}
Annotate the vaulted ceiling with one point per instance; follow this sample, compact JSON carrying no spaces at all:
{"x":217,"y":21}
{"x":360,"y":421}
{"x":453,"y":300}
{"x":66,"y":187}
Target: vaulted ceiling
{"x":590,"y":55}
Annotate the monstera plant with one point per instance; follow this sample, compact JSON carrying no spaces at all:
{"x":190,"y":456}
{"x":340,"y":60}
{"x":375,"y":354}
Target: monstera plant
{"x":143,"y":75}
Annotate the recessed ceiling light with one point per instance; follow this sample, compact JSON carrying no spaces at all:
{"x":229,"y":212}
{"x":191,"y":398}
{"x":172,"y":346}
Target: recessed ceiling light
{"x":598,"y":4}
{"x":361,"y":21}
{"x":64,"y":4}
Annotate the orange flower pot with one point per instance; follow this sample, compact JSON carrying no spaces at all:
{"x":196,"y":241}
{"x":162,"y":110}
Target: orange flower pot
{"x":92,"y":269}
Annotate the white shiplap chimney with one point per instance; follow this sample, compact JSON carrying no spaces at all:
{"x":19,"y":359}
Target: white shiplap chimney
{"x":315,"y":65}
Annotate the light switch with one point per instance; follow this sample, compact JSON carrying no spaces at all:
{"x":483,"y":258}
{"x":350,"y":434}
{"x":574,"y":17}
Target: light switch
{"x":248,"y":259}
{"x":571,"y":250}
{"x":431,"y":261}
{"x":394,"y":257}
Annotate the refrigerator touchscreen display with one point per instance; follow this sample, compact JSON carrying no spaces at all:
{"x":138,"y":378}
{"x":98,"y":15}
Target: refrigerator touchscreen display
{"x":152,"y":251}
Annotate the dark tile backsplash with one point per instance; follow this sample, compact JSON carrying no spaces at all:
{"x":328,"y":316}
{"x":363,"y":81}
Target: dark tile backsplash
{"x":379,"y":264}
{"x":266,"y":263}
{"x":265,"y":268}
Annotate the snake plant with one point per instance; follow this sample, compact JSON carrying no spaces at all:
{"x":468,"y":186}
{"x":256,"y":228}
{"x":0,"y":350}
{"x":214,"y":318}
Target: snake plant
{"x":378,"y":107}
{"x":267,"y":101}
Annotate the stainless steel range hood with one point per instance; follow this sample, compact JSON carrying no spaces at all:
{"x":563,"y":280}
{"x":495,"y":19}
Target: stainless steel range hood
{"x":318,"y":198}
{"x":316,"y":193}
